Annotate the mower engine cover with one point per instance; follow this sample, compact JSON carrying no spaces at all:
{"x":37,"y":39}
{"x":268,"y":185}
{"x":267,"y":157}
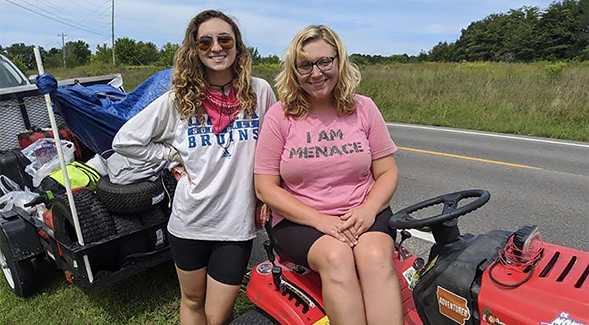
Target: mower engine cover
{"x":554,"y":292}
{"x":448,"y":289}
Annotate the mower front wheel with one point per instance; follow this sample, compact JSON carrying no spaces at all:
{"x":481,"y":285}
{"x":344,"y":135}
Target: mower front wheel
{"x":254,"y":317}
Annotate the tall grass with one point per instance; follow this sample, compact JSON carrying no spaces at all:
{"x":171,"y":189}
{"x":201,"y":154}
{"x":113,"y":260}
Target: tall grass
{"x":527,"y":99}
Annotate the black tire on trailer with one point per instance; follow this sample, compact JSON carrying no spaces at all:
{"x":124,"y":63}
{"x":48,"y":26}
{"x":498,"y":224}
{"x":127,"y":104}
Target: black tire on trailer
{"x":96,"y":222}
{"x":126,"y":223}
{"x":18,"y":274}
{"x":152,"y":216}
{"x":156,"y":235}
{"x":129,"y":198}
{"x":254,"y":317}
{"x":133,"y":243}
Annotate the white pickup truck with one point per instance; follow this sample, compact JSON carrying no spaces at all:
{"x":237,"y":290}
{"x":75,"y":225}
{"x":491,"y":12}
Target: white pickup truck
{"x":10,"y":75}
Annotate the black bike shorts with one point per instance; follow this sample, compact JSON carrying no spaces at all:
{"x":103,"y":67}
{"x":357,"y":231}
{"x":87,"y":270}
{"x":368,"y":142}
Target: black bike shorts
{"x":295,"y":240}
{"x":226,"y":261}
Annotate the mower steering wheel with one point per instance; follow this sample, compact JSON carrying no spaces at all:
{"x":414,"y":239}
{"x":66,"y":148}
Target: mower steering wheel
{"x":403,"y":219}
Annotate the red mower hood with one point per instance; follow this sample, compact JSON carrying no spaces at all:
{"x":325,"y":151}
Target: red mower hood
{"x":556,"y":293}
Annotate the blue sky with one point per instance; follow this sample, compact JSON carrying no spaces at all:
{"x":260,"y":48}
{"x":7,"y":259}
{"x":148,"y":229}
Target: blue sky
{"x":382,"y":27}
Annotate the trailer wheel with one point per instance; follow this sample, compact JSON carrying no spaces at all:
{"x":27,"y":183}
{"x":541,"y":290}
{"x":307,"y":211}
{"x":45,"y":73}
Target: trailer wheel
{"x":18,"y":274}
{"x":129,"y":198}
{"x":96,"y":222}
{"x":254,"y":317}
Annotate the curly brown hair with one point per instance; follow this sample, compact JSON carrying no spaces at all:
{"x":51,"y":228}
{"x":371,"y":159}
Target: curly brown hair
{"x":189,"y":80}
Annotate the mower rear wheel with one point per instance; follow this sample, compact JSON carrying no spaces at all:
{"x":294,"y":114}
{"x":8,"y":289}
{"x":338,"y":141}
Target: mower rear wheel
{"x":254,"y":317}
{"x":95,"y":221}
{"x":18,"y":274}
{"x":129,"y":198}
{"x":96,"y":224}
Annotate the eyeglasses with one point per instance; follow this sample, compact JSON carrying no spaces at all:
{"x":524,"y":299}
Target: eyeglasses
{"x":204,"y":43}
{"x":324,"y":64}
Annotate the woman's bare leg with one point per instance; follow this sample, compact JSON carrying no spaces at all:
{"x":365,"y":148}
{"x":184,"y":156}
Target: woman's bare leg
{"x":380,"y":285}
{"x":193,"y":286}
{"x":220,"y":300}
{"x":334,"y":260}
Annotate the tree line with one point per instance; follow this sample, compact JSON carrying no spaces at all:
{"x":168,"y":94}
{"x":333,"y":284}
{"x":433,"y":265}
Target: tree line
{"x":78,"y":53}
{"x":128,"y":52}
{"x":560,"y":32}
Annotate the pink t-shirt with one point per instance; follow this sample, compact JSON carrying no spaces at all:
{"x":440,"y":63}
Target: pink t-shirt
{"x":324,"y":160}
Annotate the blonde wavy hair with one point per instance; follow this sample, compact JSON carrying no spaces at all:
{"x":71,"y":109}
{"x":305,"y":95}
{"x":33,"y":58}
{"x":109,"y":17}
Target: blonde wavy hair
{"x":293,"y":97}
{"x":189,"y":78}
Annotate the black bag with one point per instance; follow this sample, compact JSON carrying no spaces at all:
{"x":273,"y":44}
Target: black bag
{"x":12,"y":164}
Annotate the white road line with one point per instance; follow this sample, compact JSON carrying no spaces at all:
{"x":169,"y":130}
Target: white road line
{"x":422,"y":235}
{"x":489,"y":134}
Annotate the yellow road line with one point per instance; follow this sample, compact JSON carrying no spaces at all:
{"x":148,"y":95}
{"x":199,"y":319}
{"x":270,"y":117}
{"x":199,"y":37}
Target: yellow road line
{"x":468,"y":158}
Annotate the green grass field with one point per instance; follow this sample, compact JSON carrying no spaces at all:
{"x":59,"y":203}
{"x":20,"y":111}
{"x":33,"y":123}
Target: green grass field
{"x":538,"y":99}
{"x":151,"y":297}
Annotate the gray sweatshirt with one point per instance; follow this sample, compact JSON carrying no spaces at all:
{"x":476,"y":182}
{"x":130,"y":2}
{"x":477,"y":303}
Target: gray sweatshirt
{"x":215,"y":199}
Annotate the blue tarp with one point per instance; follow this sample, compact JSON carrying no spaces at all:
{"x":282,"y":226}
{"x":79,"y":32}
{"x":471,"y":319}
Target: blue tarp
{"x":96,"y":113}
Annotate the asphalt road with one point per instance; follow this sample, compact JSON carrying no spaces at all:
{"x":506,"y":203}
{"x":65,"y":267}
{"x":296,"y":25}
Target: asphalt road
{"x":532,"y":181}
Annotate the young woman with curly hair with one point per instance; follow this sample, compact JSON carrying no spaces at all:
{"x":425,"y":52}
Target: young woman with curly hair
{"x":325,"y":166}
{"x":209,"y":123}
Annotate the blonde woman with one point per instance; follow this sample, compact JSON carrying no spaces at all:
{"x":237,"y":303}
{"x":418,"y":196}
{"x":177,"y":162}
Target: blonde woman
{"x":208,"y":122}
{"x":324,"y":165}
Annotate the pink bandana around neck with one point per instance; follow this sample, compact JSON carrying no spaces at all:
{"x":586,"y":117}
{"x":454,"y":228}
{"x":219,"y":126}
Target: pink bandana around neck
{"x":221,"y":108}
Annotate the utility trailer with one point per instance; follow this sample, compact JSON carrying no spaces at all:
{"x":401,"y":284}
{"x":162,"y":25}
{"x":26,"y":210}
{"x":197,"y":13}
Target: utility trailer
{"x":134,"y":244}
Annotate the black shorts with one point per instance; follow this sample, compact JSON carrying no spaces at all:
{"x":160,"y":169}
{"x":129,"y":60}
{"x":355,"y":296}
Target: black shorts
{"x":295,"y":240}
{"x":226,"y":261}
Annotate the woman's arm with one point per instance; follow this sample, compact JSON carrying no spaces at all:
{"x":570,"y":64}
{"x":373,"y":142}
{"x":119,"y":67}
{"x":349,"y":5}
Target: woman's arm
{"x":269,"y":191}
{"x":385,"y":173}
{"x":147,"y":135}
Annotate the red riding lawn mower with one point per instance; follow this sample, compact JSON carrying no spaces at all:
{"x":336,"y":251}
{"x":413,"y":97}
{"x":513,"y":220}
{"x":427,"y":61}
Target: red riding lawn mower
{"x":501,"y":278}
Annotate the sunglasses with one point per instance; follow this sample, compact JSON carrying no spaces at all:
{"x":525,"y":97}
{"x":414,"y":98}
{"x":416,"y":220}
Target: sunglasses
{"x":204,"y":43}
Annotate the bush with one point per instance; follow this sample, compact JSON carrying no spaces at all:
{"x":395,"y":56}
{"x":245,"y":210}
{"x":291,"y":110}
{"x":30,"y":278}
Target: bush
{"x":584,"y":56}
{"x":555,"y":69}
{"x":19,"y":64}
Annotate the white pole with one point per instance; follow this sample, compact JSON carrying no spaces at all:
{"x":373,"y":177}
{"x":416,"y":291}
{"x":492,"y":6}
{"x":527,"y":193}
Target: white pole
{"x":66,"y":179}
{"x":113,"y":32}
